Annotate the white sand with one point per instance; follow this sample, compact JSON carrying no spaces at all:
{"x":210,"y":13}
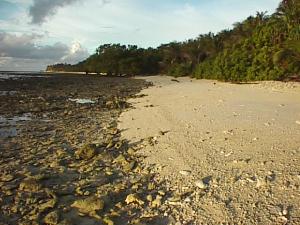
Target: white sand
{"x":246,"y":137}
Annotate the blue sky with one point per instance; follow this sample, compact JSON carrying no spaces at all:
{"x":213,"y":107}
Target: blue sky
{"x":34,"y":33}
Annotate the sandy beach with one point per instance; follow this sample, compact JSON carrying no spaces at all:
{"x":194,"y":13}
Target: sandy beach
{"x":230,"y":151}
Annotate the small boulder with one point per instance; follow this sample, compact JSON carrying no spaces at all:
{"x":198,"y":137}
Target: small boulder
{"x":200,"y":184}
{"x":52,"y":218}
{"x":133,"y":198}
{"x":30,"y":185}
{"x":89,"y":205}
{"x":86,"y":152}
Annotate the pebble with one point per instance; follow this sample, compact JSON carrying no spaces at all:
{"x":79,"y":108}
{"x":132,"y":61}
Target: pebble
{"x":185,"y":172}
{"x":188,"y":199}
{"x":157,"y":202}
{"x":200,"y":184}
{"x":133,"y":198}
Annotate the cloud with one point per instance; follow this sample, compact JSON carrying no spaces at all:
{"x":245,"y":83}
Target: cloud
{"x":23,"y":49}
{"x":24,"y":46}
{"x":42,"y":9}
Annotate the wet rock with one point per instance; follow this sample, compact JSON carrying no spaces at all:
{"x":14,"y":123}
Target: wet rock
{"x":30,"y":185}
{"x":149,"y":198}
{"x":52,"y":218}
{"x":109,"y":104}
{"x":133,"y":198}
{"x":47,"y":205}
{"x":110,"y":144}
{"x":118,"y":145}
{"x":151,"y":186}
{"x":86,"y":152}
{"x":6,"y":177}
{"x":108,"y":221}
{"x":89,"y":205}
{"x":129,"y":166}
{"x":121,"y":160}
{"x":130,"y":151}
{"x":157,"y":202}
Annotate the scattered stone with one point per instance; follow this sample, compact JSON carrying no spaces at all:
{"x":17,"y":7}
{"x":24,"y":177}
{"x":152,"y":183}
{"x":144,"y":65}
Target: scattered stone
{"x":52,"y":218}
{"x":30,"y":185}
{"x":185,"y":172}
{"x":157,"y":202}
{"x":118,"y":145}
{"x":162,"y":193}
{"x":162,"y":133}
{"x":130,"y":166}
{"x":86,"y":152}
{"x":149,"y":198}
{"x":260,"y":182}
{"x":200,"y":184}
{"x":121,"y":160}
{"x":188,"y":200}
{"x":89,"y":205}
{"x":47,"y":205}
{"x":228,"y":132}
{"x":108,"y":221}
{"x":130,"y":151}
{"x":151,"y":186}
{"x":7,"y":177}
{"x":298,"y":122}
{"x":133,"y":198}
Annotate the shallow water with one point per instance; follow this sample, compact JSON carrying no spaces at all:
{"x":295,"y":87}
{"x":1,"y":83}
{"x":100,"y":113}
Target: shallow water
{"x":82,"y":100}
{"x":5,"y":93}
{"x":20,"y":75}
{"x":8,"y":125}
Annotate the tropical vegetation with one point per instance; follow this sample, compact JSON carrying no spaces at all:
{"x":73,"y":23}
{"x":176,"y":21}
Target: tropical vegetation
{"x":262,"y":47}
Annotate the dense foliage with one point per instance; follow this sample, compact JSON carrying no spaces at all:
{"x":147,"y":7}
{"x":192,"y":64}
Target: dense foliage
{"x":259,"y":48}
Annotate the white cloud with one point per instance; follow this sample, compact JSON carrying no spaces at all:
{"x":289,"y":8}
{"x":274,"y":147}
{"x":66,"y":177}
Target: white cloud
{"x":42,"y":9}
{"x":16,"y":50}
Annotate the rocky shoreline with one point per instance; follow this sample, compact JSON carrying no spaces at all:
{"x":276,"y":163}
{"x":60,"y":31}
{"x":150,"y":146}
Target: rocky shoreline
{"x":61,"y":157}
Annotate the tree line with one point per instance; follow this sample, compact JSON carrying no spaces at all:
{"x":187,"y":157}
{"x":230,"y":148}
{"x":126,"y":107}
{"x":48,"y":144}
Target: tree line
{"x":262,"y":47}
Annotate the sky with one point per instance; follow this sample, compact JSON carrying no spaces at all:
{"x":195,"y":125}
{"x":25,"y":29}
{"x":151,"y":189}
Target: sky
{"x":36,"y":33}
